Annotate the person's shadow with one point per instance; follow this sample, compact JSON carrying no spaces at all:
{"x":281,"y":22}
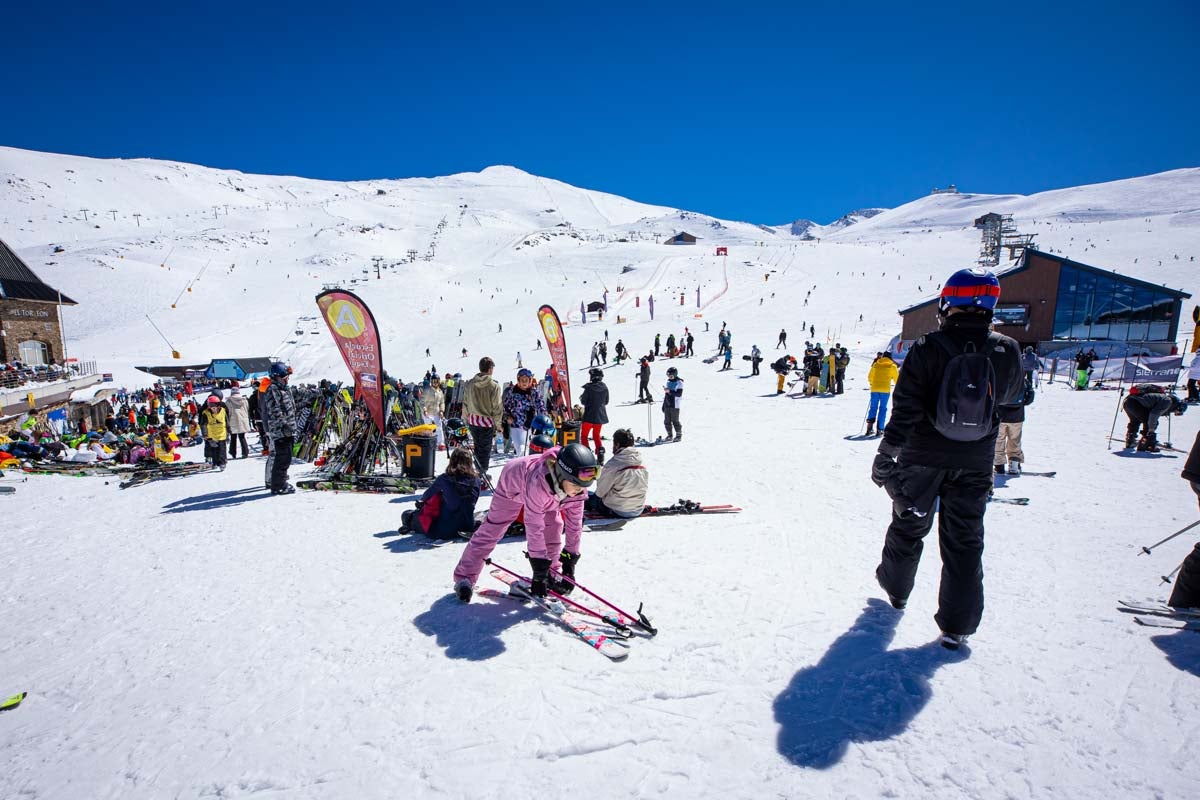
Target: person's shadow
{"x":1182,"y":649}
{"x":472,"y":631}
{"x":859,"y":692}
{"x":212,"y":500}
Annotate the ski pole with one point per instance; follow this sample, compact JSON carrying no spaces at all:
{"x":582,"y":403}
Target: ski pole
{"x":642,"y":620}
{"x":1116,"y":411}
{"x":578,"y":606}
{"x":1147,"y":550}
{"x":1168,"y":578}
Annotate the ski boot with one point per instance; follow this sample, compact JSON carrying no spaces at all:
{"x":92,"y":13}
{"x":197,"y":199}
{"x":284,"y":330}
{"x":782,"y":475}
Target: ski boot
{"x":1014,"y":468}
{"x":463,"y":590}
{"x":1148,"y":444}
{"x":1130,"y":440}
{"x":1000,"y":469}
{"x":870,"y":427}
{"x":287,"y":489}
{"x":953,"y":641}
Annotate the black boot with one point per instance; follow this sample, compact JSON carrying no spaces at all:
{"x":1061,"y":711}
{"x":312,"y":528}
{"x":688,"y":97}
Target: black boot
{"x":999,"y":469}
{"x":870,"y":427}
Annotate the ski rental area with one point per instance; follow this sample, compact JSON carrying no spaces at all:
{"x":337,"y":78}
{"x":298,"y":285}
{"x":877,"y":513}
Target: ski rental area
{"x":200,"y":637}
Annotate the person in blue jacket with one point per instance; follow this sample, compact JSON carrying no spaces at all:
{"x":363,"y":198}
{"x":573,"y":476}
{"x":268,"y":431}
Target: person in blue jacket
{"x":448,"y":506}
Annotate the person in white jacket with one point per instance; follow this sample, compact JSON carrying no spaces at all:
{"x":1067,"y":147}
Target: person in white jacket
{"x":621,"y":487}
{"x":239,"y":421}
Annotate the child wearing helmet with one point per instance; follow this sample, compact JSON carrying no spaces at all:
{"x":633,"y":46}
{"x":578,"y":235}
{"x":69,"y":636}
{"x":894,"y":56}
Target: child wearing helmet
{"x":550,"y":488}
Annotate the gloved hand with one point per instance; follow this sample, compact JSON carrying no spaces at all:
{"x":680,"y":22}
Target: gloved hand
{"x":569,"y":560}
{"x":541,"y":576}
{"x":885,"y":463}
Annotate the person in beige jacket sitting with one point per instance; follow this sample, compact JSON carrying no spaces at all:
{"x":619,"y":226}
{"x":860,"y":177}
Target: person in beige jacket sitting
{"x":621,"y":487}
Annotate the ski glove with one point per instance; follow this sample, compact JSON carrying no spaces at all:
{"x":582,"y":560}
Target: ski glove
{"x":885,"y":463}
{"x":541,"y":576}
{"x":569,"y":560}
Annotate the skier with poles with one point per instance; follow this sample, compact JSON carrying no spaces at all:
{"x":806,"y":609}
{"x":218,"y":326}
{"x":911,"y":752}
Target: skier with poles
{"x":939,"y":446}
{"x":1144,"y":406}
{"x":550,"y":489}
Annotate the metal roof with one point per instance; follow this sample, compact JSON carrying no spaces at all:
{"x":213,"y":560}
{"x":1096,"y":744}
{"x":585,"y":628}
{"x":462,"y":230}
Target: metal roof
{"x":18,"y":282}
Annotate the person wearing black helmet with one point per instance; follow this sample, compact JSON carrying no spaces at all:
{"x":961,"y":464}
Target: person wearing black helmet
{"x":1144,"y":406}
{"x":549,"y":490}
{"x":595,"y":411}
{"x":279,"y":410}
{"x":672,"y":401}
{"x":937,"y":450}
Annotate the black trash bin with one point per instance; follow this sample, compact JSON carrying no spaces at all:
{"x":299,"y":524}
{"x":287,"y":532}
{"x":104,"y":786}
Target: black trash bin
{"x":568,"y":433}
{"x":420,"y":451}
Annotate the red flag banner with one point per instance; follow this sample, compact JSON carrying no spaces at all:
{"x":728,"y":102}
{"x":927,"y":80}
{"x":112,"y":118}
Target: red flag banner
{"x":555,"y":343}
{"x":353,"y":328}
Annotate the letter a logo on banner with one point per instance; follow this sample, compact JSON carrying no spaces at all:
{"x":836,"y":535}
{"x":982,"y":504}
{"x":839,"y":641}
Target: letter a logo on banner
{"x":357,"y":337}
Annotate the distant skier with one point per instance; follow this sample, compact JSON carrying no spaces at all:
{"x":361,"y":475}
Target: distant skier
{"x":881,"y":377}
{"x":782,"y":340}
{"x":756,"y":358}
{"x":644,"y":395}
{"x":672,"y":401}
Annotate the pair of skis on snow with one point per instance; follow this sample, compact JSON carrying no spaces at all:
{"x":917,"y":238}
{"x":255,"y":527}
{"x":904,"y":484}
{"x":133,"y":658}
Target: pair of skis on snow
{"x":1159,"y":615}
{"x":604,"y":626}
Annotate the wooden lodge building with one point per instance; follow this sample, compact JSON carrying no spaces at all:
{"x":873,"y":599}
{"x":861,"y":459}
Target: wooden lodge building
{"x":32,"y":329}
{"x":1055,"y":303}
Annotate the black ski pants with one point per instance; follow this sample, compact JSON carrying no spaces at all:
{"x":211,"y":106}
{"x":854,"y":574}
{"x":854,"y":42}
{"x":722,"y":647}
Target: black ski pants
{"x":281,"y":451}
{"x":839,"y":382}
{"x":644,"y":393}
{"x":483,"y":438}
{"x":234,"y":439}
{"x":671,"y":420}
{"x":963,"y":496}
{"x":1139,"y":417}
{"x":1186,"y":593}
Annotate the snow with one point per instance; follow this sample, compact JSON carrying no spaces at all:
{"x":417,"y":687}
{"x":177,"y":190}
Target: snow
{"x":199,"y":638}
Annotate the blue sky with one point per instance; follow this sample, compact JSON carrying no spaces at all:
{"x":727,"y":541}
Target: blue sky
{"x":753,"y":111}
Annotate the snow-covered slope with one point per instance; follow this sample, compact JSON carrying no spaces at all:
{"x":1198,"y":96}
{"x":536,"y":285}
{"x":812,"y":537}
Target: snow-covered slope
{"x":198,"y":638}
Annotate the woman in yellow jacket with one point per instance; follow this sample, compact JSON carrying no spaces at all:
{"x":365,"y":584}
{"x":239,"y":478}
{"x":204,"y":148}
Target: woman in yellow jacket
{"x":882,"y":377}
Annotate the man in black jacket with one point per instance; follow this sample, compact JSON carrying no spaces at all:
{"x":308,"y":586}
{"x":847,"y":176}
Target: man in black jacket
{"x":1186,"y":593}
{"x":644,"y":395}
{"x":919,"y":465}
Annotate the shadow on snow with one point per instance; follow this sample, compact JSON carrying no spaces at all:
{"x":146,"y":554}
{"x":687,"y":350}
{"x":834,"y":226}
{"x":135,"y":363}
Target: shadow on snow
{"x":472,"y":631}
{"x":1182,"y":649}
{"x":207,"y":502}
{"x":859,"y":692}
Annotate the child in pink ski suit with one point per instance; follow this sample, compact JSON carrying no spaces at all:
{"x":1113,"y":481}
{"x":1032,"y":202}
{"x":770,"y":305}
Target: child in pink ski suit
{"x":551,"y":506}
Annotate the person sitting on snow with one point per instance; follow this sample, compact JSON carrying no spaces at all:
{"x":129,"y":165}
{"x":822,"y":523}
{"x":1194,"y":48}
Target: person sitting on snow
{"x":621,"y":487}
{"x":448,"y":506}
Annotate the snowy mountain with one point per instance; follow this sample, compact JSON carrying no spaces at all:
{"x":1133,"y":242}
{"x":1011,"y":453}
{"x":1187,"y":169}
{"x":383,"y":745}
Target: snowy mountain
{"x":199,"y":638}
{"x":807,"y":229}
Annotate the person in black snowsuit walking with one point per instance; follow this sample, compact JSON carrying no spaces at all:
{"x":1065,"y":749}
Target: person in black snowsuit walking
{"x":1186,"y":593}
{"x":919,"y":465}
{"x":782,"y":340}
{"x":644,"y":382}
{"x":690,"y":349}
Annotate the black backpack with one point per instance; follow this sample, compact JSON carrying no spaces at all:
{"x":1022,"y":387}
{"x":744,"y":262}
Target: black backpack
{"x":966,"y":404}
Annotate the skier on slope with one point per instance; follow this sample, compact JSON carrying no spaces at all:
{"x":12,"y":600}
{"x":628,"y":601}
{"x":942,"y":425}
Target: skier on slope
{"x":939,"y":446}
{"x":672,"y":400}
{"x":1144,"y":406}
{"x":782,"y":366}
{"x":644,"y":382}
{"x":549,"y":489}
{"x":881,"y":377}
{"x":595,"y":411}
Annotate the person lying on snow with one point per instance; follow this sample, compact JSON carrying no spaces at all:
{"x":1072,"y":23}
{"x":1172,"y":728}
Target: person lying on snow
{"x":448,"y":506}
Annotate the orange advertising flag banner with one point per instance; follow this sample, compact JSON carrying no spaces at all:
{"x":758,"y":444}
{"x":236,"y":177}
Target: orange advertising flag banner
{"x":353,"y":328}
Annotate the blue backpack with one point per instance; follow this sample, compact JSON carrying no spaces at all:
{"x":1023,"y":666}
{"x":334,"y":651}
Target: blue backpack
{"x":966,"y":405}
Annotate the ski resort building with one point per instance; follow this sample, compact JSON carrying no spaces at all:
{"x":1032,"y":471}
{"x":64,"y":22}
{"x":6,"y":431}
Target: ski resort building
{"x":32,"y":329}
{"x":1055,"y":303}
{"x":681,"y":238}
